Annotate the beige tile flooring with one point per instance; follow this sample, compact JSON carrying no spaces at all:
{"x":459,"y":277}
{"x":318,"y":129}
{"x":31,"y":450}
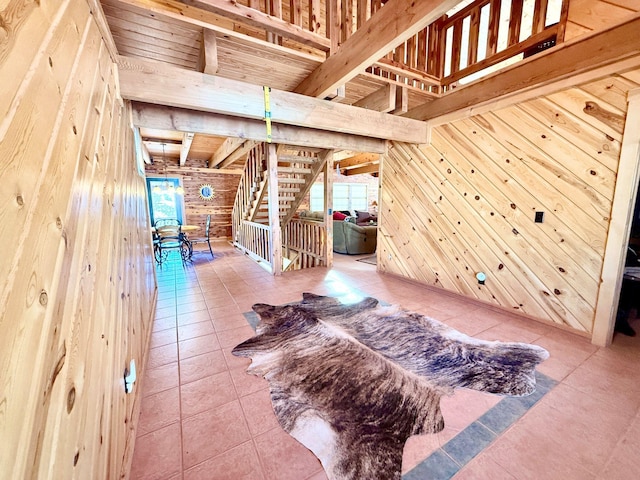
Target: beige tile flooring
{"x":203,"y":417}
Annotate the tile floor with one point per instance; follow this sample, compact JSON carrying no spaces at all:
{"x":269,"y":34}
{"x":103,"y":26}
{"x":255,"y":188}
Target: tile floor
{"x":203,"y":417}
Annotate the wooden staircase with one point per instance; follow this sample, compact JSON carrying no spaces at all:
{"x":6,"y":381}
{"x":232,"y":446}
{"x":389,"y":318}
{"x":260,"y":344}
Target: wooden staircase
{"x":261,"y":233}
{"x":297,"y":170}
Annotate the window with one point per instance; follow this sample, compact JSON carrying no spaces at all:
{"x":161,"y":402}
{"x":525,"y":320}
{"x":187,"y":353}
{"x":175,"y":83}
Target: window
{"x":346,"y":196}
{"x":164,"y":201}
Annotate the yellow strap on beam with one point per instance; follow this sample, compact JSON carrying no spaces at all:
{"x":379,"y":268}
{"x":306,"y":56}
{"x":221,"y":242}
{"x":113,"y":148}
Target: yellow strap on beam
{"x":267,"y":111}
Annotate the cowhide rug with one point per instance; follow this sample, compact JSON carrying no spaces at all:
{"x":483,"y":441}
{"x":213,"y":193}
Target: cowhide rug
{"x":353,"y":382}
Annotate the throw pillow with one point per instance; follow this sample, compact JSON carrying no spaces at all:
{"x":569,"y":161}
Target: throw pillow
{"x":339,"y":216}
{"x":362,"y":216}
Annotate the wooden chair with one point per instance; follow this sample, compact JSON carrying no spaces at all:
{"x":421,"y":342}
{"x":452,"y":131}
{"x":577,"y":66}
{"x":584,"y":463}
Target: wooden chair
{"x":204,"y":239}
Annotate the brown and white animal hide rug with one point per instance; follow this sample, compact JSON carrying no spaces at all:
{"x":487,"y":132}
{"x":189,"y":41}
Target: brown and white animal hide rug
{"x":353,"y":382}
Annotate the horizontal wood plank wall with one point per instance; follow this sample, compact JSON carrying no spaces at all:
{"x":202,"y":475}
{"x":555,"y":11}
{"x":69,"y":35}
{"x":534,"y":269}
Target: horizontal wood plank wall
{"x":77,"y":283}
{"x":193,"y":175}
{"x":466,"y":203}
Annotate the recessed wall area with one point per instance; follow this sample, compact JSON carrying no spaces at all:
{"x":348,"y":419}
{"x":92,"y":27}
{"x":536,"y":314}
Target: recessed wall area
{"x":466,"y":202}
{"x":192,"y":176}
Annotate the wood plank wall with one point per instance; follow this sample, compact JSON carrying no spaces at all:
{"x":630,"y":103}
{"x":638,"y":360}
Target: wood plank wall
{"x":466,"y":202}
{"x":77,"y":283}
{"x":586,"y":16}
{"x":193,"y":175}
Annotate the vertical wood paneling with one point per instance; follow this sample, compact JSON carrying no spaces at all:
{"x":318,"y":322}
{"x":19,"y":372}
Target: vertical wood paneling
{"x":466,"y":203}
{"x":77,"y":284}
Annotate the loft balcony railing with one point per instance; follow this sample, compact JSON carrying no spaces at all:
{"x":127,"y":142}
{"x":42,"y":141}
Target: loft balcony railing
{"x":474,"y":39}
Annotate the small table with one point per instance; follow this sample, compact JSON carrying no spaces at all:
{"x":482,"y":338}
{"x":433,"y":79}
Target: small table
{"x":185,"y":238}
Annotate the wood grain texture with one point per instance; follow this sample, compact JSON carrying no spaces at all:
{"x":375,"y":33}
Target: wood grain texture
{"x":466,"y":202}
{"x":196,"y":209}
{"x":160,"y":84}
{"x":77,"y":283}
{"x":592,"y":15}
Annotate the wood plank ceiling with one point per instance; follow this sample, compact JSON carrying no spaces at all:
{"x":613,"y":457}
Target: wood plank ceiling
{"x":148,"y":29}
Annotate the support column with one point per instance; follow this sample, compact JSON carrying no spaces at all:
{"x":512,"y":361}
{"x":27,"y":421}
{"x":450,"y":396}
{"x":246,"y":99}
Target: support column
{"x":328,"y":207}
{"x":274,"y":210}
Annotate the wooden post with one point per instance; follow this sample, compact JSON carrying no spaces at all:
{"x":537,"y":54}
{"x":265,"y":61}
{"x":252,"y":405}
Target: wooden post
{"x":274,"y":210}
{"x":333,"y":25}
{"x":620,"y":226}
{"x":328,"y":208}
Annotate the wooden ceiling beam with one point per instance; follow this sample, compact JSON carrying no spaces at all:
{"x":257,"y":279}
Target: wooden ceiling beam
{"x":239,"y":153}
{"x":154,"y":82}
{"x":372,"y":168}
{"x":141,"y":148}
{"x":577,"y":61}
{"x":382,"y":100}
{"x":170,"y":118}
{"x":397,"y":21}
{"x":227,"y":148}
{"x":359,"y":159}
{"x":187,"y":140}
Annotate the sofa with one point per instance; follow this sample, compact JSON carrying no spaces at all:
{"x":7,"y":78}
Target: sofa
{"x":355,"y":235}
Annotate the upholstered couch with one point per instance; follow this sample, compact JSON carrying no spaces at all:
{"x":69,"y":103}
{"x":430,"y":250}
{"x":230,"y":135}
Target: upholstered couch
{"x":354,"y":239}
{"x":355,"y":235}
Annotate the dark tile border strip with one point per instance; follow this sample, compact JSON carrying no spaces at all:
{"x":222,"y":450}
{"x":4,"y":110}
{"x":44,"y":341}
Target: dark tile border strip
{"x":448,"y":460}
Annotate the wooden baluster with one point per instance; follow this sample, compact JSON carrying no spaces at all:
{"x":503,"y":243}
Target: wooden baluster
{"x":435,"y":53}
{"x":562,"y":24}
{"x":456,"y":46}
{"x":421,"y":61}
{"x":398,"y":53}
{"x":347,"y":19}
{"x":539,"y":16}
{"x":364,"y":12}
{"x":411,"y":52}
{"x":494,"y":25}
{"x":315,"y":9}
{"x":333,"y":24}
{"x":274,"y":8}
{"x":515,"y":20}
{"x":295,"y":12}
{"x":474,"y":33}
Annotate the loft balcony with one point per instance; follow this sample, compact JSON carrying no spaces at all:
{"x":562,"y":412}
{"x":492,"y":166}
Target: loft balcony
{"x":280,"y":43}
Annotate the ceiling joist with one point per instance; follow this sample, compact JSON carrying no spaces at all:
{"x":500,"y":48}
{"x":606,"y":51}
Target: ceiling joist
{"x":229,"y":146}
{"x":187,"y":140}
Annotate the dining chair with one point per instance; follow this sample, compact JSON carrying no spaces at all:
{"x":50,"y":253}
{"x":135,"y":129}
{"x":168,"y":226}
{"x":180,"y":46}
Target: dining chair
{"x":162,"y":222}
{"x":170,"y":237}
{"x":206,"y":238}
